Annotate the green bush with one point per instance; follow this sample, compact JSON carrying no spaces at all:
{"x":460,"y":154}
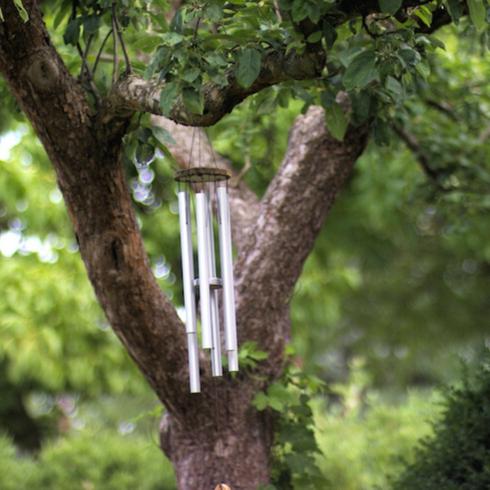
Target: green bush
{"x":457,"y":456}
{"x":88,"y":461}
{"x":103,"y":461}
{"x":365,"y":436}
{"x":15,"y":472}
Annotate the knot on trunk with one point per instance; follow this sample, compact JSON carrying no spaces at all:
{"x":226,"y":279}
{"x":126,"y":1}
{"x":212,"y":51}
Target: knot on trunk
{"x":43,"y":72}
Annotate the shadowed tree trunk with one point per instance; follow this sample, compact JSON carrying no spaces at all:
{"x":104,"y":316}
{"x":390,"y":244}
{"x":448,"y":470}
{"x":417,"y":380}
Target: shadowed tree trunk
{"x":217,"y":436}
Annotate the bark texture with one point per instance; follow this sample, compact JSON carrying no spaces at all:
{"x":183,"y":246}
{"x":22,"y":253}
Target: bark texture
{"x":133,"y":93}
{"x":217,"y":436}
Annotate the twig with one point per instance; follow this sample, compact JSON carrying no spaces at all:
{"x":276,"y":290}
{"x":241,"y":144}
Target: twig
{"x":101,"y":49}
{"x":85,"y":53}
{"x":88,"y":75}
{"x":414,"y":146}
{"x":235,"y":181}
{"x":115,"y":65}
{"x":367,"y":29}
{"x":443,"y":107}
{"x":278,"y":11}
{"x":121,"y":41}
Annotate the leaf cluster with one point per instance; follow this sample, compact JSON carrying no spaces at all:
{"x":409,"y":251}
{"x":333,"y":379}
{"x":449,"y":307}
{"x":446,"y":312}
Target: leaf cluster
{"x":295,"y":449}
{"x":457,"y":456}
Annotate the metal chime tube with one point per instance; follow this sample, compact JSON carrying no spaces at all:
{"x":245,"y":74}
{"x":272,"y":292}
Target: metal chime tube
{"x":189,"y":296}
{"x":226,"y":257}
{"x":203,"y":260}
{"x":216,"y":366}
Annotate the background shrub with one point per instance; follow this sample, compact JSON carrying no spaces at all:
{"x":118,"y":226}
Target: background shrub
{"x":15,"y":471}
{"x":457,"y":456}
{"x":88,"y":461}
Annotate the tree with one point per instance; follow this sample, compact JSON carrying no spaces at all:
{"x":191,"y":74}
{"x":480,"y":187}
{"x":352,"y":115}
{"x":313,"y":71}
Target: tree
{"x":207,"y":59}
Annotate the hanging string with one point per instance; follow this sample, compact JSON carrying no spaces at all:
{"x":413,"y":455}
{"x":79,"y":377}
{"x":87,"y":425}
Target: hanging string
{"x":213,"y":153}
{"x":191,"y":148}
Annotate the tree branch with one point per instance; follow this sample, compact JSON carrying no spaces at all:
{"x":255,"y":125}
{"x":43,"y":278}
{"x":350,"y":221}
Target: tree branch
{"x":92,"y":181}
{"x":314,"y":170}
{"x":415,"y":147}
{"x":133,"y":93}
{"x":193,"y":142}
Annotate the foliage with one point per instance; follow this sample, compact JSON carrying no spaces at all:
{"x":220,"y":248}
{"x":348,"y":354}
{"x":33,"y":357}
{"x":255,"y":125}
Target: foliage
{"x":457,"y":456}
{"x":295,"y":448}
{"x":14,"y":471}
{"x":399,"y":275}
{"x":407,"y":254}
{"x":53,"y":336}
{"x":249,"y":355}
{"x":77,"y":463}
{"x":365,"y":435}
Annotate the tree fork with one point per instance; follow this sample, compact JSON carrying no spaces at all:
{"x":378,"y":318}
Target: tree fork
{"x":220,"y":427}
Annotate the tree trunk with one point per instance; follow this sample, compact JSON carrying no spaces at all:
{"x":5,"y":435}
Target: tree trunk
{"x":217,"y":436}
{"x":231,"y":447}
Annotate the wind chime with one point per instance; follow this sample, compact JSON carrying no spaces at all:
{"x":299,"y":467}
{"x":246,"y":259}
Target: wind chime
{"x":198,"y":187}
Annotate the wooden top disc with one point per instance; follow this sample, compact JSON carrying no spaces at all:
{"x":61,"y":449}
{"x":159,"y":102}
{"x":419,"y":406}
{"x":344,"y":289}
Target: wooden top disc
{"x":202,"y":174}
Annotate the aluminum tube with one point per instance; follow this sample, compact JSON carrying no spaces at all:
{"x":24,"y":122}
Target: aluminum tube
{"x":203,"y":260}
{"x":216,"y":366}
{"x":227,"y":271}
{"x":187,"y":261}
{"x":193,"y":350}
{"x":232,"y":360}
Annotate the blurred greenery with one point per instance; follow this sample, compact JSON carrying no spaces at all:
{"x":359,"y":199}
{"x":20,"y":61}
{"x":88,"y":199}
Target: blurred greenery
{"x":394,"y":294}
{"x":88,"y":461}
{"x":457,"y":455}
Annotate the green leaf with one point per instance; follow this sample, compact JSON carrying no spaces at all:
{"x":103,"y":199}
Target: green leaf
{"x":2,"y":18}
{"x":394,"y":87}
{"x":314,"y":37}
{"x":261,"y":401}
{"x":177,"y":23}
{"x":362,"y":104}
{"x":477,"y":13}
{"x":248,"y":68}
{"x":424,"y":14}
{"x":258,"y":355}
{"x":162,"y":136}
{"x":454,"y":8}
{"x":361,"y":70}
{"x":167,"y":97}
{"x":329,"y":33}
{"x":191,"y":74}
{"x":193,"y":100}
{"x":72,"y":33}
{"x":390,"y":6}
{"x":336,"y":121}
{"x":172,"y":38}
{"x":214,"y":12}
{"x":91,"y":24}
{"x":409,"y":56}
{"x":299,"y":10}
{"x":22,"y":11}
{"x":63,"y":11}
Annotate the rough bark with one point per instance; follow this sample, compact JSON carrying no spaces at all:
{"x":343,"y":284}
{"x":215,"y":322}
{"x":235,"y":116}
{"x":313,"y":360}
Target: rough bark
{"x":221,"y":439}
{"x":133,"y":93}
{"x":90,"y":176}
{"x":216,"y":436}
{"x":291,"y":214}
